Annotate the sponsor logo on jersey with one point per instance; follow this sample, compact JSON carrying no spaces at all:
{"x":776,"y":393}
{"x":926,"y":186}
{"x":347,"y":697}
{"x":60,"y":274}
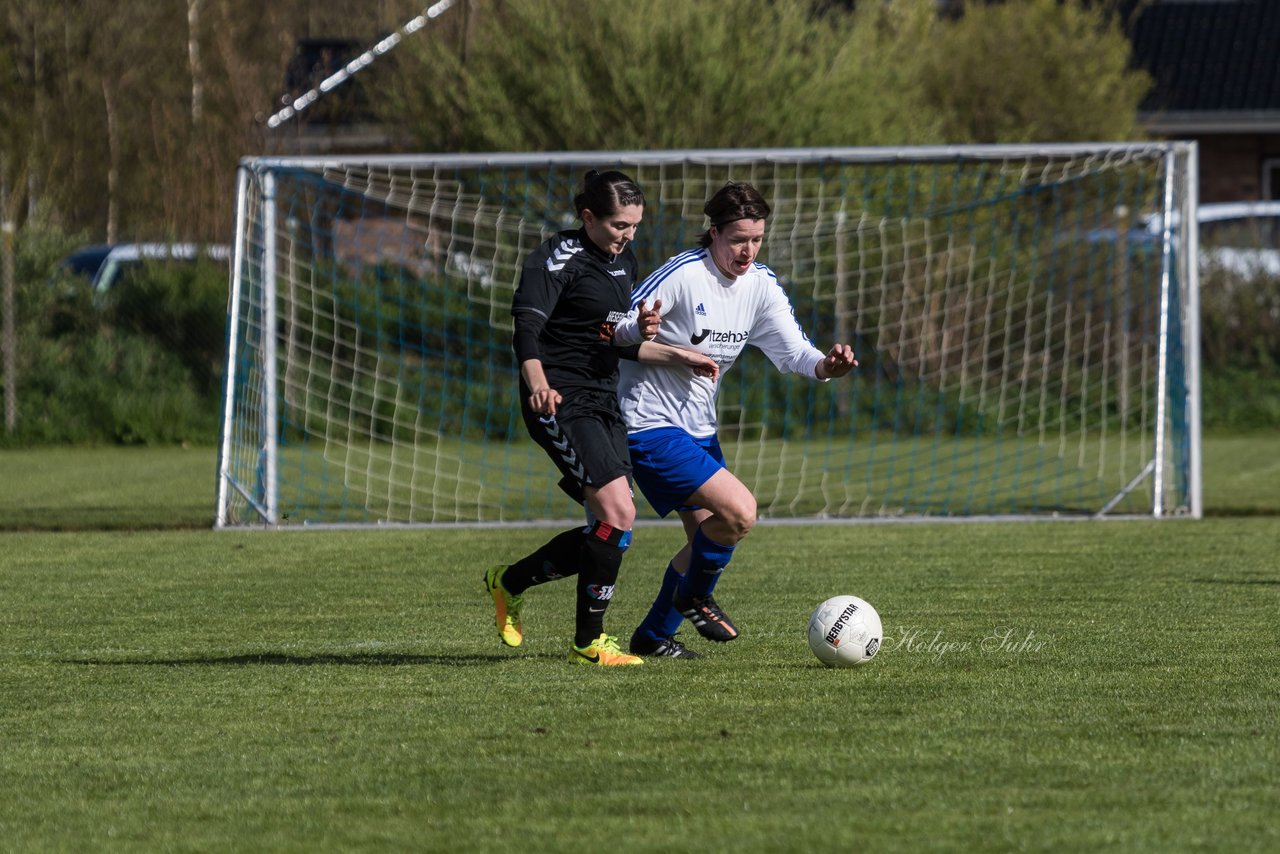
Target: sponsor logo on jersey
{"x":718,"y":337}
{"x":612,"y":320}
{"x":617,"y":272}
{"x":700,"y":310}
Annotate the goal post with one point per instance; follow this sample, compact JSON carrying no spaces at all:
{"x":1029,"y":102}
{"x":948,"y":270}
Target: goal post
{"x":1026,"y":318}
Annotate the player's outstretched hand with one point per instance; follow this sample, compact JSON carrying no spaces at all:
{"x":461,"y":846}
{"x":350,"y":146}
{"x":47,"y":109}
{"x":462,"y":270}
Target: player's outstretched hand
{"x":649,"y":320}
{"x":838,"y":362}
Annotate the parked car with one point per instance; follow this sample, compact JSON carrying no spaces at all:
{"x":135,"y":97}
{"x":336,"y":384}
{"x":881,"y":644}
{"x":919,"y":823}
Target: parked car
{"x":105,"y":264}
{"x":1241,"y":238}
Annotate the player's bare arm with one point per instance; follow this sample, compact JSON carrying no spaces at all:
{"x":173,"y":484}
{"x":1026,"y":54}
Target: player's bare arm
{"x":654,"y":353}
{"x":542,"y":398}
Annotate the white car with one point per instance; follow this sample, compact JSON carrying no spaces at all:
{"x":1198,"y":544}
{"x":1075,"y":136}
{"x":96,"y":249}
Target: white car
{"x":1240,"y":238}
{"x":103,"y":264}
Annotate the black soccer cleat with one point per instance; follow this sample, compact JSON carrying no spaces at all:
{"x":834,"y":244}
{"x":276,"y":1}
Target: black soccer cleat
{"x":664,"y":648}
{"x":706,"y":616}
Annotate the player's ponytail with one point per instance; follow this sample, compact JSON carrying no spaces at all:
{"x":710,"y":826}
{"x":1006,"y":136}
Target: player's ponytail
{"x":604,"y":193}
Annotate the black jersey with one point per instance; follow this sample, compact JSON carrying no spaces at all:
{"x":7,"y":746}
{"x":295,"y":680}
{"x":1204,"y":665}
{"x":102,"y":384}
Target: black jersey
{"x":570,"y":296}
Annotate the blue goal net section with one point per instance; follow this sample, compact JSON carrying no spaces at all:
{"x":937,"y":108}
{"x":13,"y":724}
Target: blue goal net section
{"x":1026,"y":318}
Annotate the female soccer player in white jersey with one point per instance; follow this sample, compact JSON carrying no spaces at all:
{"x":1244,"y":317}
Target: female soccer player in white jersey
{"x":717,"y":299}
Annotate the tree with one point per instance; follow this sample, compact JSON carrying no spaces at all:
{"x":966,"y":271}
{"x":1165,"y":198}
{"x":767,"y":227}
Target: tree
{"x":1038,"y":70}
{"x":560,"y":74}
{"x":615,"y":75}
{"x":129,"y":119}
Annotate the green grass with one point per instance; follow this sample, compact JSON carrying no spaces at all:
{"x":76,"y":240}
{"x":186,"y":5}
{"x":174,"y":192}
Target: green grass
{"x":452,"y":480}
{"x":109,"y":488}
{"x":1047,"y":686}
{"x":1242,"y":475}
{"x":163,"y":488}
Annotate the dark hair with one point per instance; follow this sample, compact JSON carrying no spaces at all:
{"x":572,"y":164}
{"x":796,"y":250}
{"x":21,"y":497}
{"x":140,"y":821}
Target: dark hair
{"x":604,"y":193}
{"x":732,"y":202}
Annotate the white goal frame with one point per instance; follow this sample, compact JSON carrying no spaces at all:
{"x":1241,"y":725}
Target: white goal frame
{"x":249,"y":487}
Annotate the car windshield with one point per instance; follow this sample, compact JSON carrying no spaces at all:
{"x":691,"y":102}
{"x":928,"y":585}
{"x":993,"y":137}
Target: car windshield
{"x":85,"y":262}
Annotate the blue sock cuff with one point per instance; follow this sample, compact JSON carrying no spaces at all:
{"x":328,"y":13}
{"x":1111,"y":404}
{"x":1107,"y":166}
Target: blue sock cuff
{"x":706,"y":553}
{"x":707,"y":559}
{"x":662,"y":620}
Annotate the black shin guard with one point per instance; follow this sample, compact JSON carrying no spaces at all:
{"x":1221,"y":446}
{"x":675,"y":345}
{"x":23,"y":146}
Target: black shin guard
{"x":601,"y":549}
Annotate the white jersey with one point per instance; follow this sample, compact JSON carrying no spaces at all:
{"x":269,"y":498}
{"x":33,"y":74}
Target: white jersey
{"x":705,"y":310}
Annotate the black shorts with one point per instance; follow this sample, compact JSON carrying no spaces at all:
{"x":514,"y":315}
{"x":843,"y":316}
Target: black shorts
{"x":586,"y":439}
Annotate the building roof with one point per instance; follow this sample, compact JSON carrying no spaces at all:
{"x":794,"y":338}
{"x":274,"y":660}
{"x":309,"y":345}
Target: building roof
{"x":1214,"y":62}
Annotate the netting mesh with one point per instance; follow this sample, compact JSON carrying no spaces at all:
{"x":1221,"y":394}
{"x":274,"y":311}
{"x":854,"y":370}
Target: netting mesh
{"x":1005,"y":305}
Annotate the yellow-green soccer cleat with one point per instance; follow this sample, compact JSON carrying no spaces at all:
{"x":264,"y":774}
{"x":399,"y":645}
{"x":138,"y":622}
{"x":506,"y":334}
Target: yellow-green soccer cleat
{"x":507,"y":606}
{"x":604,"y":652}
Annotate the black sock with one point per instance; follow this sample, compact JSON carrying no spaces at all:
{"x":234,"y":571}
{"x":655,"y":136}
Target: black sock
{"x":601,"y":558}
{"x":560,"y":557}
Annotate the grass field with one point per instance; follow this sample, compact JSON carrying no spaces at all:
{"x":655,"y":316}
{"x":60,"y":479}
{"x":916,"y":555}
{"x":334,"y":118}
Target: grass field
{"x":1047,"y":686}
{"x":869,"y":476}
{"x":133,"y":488}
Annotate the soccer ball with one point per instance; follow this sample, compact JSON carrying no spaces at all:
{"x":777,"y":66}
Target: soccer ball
{"x":845,"y":631}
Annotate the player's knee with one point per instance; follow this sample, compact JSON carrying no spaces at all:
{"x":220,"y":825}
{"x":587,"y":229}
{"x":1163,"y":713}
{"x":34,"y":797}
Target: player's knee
{"x":622,"y":518}
{"x":741,"y":518}
{"x":616,"y":507}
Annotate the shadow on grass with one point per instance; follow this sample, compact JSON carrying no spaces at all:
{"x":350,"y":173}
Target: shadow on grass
{"x":356,"y":659}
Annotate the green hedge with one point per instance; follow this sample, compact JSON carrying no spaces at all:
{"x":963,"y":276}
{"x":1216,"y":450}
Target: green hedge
{"x":143,"y":364}
{"x":140,"y":365}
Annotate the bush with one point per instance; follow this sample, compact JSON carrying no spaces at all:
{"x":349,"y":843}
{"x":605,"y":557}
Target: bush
{"x":141,"y":365}
{"x":180,"y":307}
{"x":1234,"y":400}
{"x":107,"y":388}
{"x":1240,"y":321}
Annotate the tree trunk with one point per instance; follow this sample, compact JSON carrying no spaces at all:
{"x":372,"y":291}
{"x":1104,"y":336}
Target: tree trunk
{"x":193,"y":55}
{"x":9,"y":335}
{"x":113,"y":161}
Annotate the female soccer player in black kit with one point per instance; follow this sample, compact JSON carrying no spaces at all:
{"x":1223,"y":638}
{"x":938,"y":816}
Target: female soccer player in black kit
{"x":572,"y":291}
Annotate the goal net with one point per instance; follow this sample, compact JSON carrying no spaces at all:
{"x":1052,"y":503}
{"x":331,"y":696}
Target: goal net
{"x":1025,"y":318}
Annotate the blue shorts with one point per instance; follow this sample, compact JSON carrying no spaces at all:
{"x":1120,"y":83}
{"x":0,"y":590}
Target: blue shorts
{"x":669,"y":465}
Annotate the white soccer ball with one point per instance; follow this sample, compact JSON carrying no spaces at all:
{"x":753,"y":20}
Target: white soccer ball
{"x":845,"y":631}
